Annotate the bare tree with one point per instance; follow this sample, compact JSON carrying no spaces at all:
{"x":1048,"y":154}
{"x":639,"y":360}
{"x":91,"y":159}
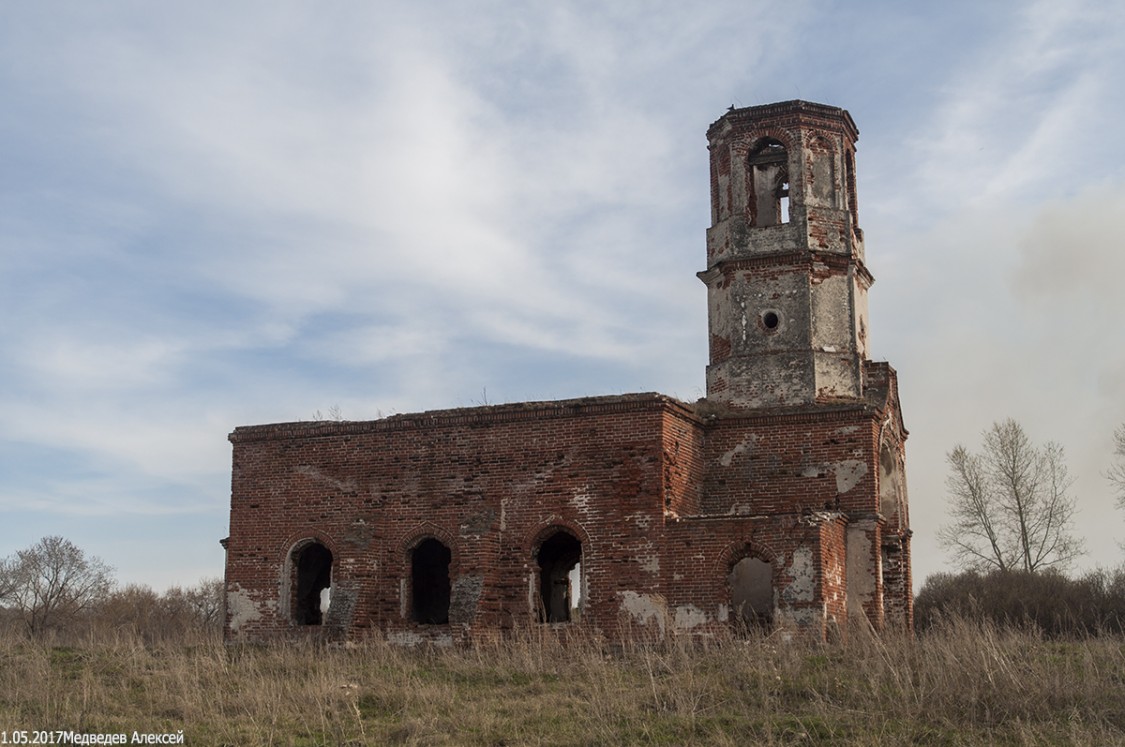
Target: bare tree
{"x":1010,"y":504}
{"x":1116,"y":473}
{"x":177,"y":614}
{"x":52,"y":582}
{"x":201,"y":604}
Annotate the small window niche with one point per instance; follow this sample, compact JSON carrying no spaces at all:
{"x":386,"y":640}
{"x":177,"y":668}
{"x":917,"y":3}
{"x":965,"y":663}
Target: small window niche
{"x":751,"y":594}
{"x":429,"y":582}
{"x":312,"y":571}
{"x":769,"y":183}
{"x":560,"y":578}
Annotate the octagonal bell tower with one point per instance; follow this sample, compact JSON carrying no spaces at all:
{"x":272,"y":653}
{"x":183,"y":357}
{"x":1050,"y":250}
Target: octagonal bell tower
{"x":786,"y":281}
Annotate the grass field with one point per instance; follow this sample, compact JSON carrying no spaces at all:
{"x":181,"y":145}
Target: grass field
{"x":965,"y":684}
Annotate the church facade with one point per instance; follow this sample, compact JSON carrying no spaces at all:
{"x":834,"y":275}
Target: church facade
{"x":778,"y":501}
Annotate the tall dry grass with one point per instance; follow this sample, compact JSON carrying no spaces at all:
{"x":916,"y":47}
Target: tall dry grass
{"x":962,"y":683}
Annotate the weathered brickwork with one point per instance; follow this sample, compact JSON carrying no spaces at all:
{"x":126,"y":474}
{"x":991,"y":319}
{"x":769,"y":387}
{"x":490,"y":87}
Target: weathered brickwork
{"x":778,"y":500}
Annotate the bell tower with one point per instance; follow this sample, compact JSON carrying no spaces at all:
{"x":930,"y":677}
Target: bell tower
{"x":786,"y":280}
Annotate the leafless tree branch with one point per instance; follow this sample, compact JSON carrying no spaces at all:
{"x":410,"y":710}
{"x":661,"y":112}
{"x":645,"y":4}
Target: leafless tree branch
{"x":1010,"y":504}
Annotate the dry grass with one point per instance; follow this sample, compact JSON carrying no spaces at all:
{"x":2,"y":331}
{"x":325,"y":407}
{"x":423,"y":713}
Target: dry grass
{"x":963,"y":684}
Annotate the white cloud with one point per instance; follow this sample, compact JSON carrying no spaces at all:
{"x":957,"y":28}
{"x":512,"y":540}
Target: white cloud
{"x":213,"y":215}
{"x":1010,"y":122}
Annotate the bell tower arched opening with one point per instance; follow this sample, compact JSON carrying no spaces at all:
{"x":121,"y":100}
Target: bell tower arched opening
{"x":768,"y":167}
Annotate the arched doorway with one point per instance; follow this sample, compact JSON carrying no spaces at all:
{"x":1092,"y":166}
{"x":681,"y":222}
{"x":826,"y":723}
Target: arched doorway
{"x":429,"y":582}
{"x":751,"y":593}
{"x":560,"y":577}
{"x":312,"y":582}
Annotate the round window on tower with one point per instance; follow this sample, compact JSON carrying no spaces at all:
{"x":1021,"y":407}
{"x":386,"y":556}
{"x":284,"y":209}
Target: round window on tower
{"x":770,"y":320}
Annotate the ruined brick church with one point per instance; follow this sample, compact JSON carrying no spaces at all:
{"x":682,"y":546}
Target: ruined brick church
{"x":778,"y":500}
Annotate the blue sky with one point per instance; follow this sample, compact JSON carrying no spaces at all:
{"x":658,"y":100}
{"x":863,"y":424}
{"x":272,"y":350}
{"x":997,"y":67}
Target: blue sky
{"x":217,"y":214}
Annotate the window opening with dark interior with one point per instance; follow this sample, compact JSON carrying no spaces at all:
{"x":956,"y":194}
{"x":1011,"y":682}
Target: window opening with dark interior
{"x":429,"y":581}
{"x":313,"y":584}
{"x":751,"y":593}
{"x":560,"y":578}
{"x":769,"y":183}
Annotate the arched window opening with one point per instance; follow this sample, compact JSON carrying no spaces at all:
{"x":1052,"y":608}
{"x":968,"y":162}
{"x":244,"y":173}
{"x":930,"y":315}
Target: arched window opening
{"x":313,"y":570}
{"x":769,"y":183}
{"x":560,"y":578}
{"x":751,"y":593}
{"x":429,"y":582}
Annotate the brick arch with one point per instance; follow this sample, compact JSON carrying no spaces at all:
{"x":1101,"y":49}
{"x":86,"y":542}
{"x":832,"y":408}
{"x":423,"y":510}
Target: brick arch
{"x":736,"y":551}
{"x":427,"y":529}
{"x":761,"y":199}
{"x":743,"y":149}
{"x":300,"y":539}
{"x":294,"y":606}
{"x":435,"y":599}
{"x":729,"y":558}
{"x":543,"y":531}
{"x":539,"y":601}
{"x":818,"y":140}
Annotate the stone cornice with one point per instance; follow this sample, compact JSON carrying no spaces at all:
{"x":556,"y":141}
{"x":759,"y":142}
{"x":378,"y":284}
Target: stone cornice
{"x":469,"y":416}
{"x":820,"y":412}
{"x":806,"y":113}
{"x":798,"y":260}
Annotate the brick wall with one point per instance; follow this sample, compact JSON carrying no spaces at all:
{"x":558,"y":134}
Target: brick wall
{"x":664,"y":501}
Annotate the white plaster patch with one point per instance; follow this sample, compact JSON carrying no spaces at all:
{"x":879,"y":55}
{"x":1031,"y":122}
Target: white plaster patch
{"x":813,"y":518}
{"x":689,"y":616}
{"x":861,"y":576}
{"x":345,"y":486}
{"x":242,"y":608}
{"x":846,"y":430}
{"x":581,"y":498}
{"x":404,"y":638}
{"x":724,"y":613}
{"x":741,"y":448}
{"x":848,"y":474}
{"x":739,"y":509}
{"x":644,"y":608}
{"x":803,"y":571}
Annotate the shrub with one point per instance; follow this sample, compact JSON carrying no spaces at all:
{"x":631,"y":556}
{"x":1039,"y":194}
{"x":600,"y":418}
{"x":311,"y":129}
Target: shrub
{"x":1047,"y":601}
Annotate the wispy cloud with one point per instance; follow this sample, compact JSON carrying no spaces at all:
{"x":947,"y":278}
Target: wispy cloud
{"x":1012,"y":113}
{"x":212,"y":215}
